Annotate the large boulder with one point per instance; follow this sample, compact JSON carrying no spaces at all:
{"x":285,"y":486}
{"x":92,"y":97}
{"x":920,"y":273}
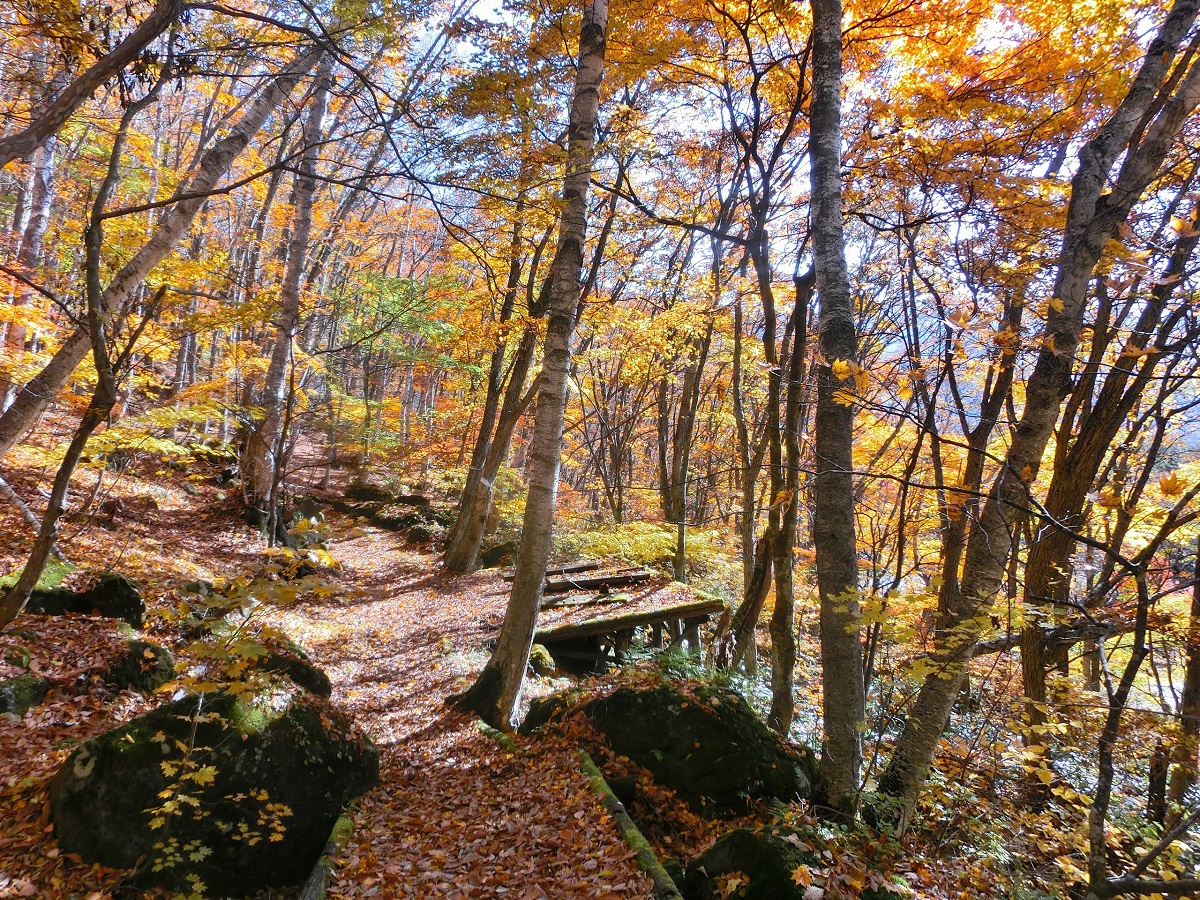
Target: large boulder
{"x":112,"y":596}
{"x":766,"y":859}
{"x":143,"y":666}
{"x":235,"y":795}
{"x":707,"y":745}
{"x":20,"y":694}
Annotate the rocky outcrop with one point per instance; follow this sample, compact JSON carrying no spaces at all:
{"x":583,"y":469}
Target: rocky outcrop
{"x":20,"y":694}
{"x":144,"y":666}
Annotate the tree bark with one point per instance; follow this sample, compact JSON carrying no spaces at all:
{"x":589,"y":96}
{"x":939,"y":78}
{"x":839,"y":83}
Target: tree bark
{"x":1187,"y":743}
{"x":28,"y":257}
{"x":1138,"y":134}
{"x":833,"y":484}
{"x":496,"y":694}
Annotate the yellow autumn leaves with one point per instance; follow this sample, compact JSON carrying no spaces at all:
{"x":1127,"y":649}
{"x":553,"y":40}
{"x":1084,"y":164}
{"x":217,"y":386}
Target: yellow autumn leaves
{"x":844,"y":370}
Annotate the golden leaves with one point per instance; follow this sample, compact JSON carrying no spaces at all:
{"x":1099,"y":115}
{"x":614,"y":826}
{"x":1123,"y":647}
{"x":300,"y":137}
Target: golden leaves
{"x":843,"y":370}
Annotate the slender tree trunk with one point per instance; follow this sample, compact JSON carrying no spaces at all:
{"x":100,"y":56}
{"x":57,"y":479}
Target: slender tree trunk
{"x":36,"y":396}
{"x":1187,"y":743}
{"x":783,"y":618}
{"x":104,"y":397}
{"x":473,"y":521}
{"x":1078,"y":461}
{"x":462,"y":550}
{"x":833,"y":485}
{"x":264,"y":444}
{"x":1138,"y":134}
{"x":496,"y":694}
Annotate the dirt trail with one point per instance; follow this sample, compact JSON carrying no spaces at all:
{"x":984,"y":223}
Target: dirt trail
{"x":455,"y":815}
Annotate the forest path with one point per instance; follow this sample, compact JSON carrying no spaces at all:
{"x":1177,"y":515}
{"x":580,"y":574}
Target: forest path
{"x":454,"y":814}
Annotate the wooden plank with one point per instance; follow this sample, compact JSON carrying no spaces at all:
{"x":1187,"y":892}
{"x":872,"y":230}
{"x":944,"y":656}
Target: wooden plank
{"x":586,"y":565}
{"x":628,"y":621}
{"x":563,"y":601}
{"x":590,"y":582}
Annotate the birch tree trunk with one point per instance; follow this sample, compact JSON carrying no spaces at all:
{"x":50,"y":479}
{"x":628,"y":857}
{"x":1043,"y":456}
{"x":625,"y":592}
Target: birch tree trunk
{"x":35,"y":396}
{"x":264,"y":458}
{"x":1138,"y":135}
{"x":833,"y":485}
{"x":496,"y":694}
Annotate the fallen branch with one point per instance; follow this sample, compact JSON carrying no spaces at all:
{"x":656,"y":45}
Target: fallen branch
{"x":27,"y":514}
{"x":664,"y":887}
{"x":317,"y":886}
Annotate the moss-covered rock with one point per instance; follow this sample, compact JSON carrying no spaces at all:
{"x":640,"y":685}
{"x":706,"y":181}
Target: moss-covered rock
{"x":297,"y":667}
{"x":112,"y":596}
{"x":708,"y":745}
{"x":144,"y":666}
{"x":498,"y":554}
{"x":20,"y":694}
{"x":243,"y":794}
{"x":768,"y":858}
{"x":541,"y":660}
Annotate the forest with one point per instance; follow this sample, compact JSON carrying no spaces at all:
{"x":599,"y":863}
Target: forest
{"x":696,"y":449}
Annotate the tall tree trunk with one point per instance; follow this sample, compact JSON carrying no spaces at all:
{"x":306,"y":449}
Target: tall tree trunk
{"x":1187,"y":742}
{"x":783,"y":618}
{"x":265,"y":445}
{"x":37,"y":395}
{"x":104,"y":397}
{"x":833,"y":484}
{"x":1138,"y":134}
{"x":496,"y":694}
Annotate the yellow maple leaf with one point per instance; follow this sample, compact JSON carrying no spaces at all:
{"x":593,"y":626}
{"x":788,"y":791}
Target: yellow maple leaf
{"x":1170,"y":484}
{"x":842,"y":369}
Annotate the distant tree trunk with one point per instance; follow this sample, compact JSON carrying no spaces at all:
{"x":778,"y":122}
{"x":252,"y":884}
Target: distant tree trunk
{"x":745,"y":620}
{"x":1138,"y":134}
{"x":264,"y":457}
{"x":1079,"y":457}
{"x":1187,"y":742}
{"x":833,"y":484}
{"x":37,"y":395}
{"x":473,"y":518}
{"x":28,"y":258}
{"x":496,"y":694}
{"x":462,"y":550}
